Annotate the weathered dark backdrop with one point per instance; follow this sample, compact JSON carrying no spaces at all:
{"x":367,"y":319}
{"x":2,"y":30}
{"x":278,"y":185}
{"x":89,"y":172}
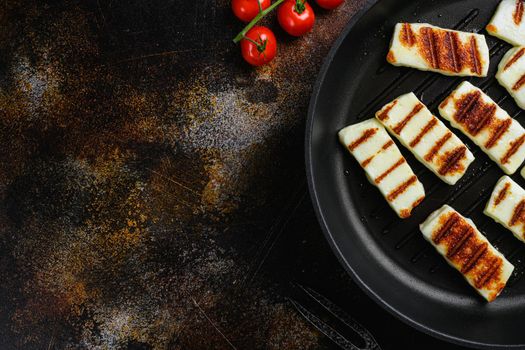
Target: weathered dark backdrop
{"x":152,"y":186}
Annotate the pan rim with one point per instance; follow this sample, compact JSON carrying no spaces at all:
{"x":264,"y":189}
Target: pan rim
{"x":321,"y":218}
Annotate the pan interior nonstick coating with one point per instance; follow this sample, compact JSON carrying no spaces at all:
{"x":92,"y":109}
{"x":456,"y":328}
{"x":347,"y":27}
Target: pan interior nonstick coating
{"x":386,"y":255}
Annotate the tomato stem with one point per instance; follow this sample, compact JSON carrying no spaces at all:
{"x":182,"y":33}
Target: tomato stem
{"x":299,"y":6}
{"x":260,"y":6}
{"x":261,"y":44}
{"x":254,"y":21}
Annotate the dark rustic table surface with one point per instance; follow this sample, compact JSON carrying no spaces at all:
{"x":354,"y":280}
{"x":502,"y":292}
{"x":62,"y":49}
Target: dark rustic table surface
{"x":152,"y":186}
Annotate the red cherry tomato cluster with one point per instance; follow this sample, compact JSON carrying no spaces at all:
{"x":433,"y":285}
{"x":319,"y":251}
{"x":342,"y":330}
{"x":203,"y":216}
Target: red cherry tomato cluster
{"x":258,"y":43}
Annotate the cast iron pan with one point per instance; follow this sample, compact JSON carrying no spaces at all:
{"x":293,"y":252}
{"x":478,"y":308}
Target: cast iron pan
{"x":385,"y":255}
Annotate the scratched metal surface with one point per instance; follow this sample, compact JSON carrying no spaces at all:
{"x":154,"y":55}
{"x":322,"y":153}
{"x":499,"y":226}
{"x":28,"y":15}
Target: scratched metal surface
{"x":152,"y":187}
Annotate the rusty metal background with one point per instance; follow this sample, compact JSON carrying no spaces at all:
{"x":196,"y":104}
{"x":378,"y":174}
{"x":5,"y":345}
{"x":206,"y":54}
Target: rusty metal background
{"x":152,"y":187}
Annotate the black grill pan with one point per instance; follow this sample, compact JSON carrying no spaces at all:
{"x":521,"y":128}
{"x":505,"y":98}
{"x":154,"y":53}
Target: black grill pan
{"x":385,"y":255}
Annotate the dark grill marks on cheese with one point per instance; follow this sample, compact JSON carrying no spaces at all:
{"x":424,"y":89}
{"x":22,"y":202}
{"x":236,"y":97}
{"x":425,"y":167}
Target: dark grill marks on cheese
{"x":451,"y":162}
{"x":452,"y":40}
{"x":418,"y":201}
{"x":474,"y":257}
{"x":364,"y":137}
{"x":445,"y":102}
{"x":502,"y":194}
{"x":384,"y":113}
{"x":405,"y":213}
{"x":407,"y":35}
{"x":474,"y":56}
{"x":389,"y":170}
{"x":518,"y":12}
{"x":468,"y":252}
{"x":401,"y":125}
{"x":446,"y":228}
{"x":493,"y":269}
{"x":386,"y":146}
{"x":519,"y":83}
{"x":401,"y":188}
{"x":475,"y":114}
{"x":437,"y":146}
{"x":465,"y":104}
{"x":517,"y":215}
{"x":429,"y":43}
{"x":514,"y":58}
{"x":367,"y":161}
{"x":458,"y":241}
{"x":498,"y":132}
{"x":430,"y":125}
{"x":443,"y":49}
{"x":514,"y":147}
{"x":482,"y":115}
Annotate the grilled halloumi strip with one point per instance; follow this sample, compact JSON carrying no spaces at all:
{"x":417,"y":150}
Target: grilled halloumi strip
{"x":430,"y":48}
{"x":507,"y":206}
{"x":508,"y":22}
{"x":384,"y":165}
{"x":433,"y":144}
{"x":458,"y":240}
{"x":511,"y":74}
{"x":488,"y":125}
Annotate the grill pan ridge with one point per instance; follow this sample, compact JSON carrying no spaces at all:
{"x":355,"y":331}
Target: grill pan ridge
{"x":385,"y":255}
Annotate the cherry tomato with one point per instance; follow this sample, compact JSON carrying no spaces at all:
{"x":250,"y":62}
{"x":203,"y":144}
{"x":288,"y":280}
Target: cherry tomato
{"x":246,"y":10}
{"x":258,"y":46}
{"x":296,"y":17}
{"x":329,"y":4}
